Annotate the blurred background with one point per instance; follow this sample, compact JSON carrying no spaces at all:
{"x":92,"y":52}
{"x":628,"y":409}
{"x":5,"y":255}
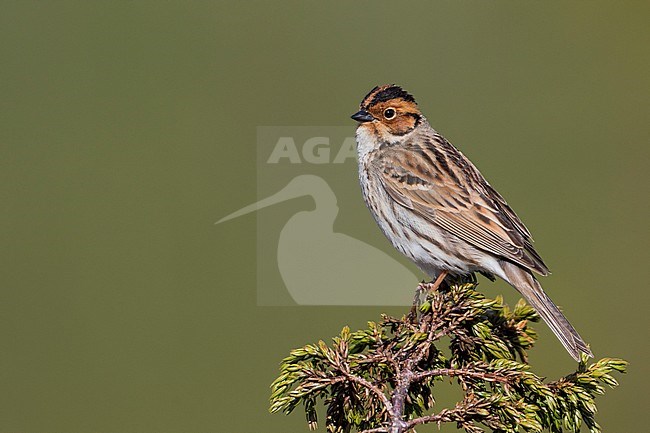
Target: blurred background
{"x":128,"y":128}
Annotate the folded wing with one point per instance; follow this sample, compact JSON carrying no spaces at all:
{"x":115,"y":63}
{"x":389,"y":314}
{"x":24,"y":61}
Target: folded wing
{"x":440,"y":185}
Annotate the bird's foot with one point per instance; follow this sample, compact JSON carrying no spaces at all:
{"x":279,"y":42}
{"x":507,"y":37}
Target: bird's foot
{"x":413,"y":315}
{"x":425,"y":288}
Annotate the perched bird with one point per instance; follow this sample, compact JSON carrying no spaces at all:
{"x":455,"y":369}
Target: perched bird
{"x":437,"y":209}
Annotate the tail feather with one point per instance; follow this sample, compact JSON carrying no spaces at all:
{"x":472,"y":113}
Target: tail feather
{"x":528,"y":286}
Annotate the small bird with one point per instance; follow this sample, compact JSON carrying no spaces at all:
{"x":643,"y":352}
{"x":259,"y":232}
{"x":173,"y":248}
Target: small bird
{"x":438,"y":210}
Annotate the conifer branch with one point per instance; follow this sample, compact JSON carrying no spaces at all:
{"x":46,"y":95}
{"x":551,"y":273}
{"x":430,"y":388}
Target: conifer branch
{"x":381,"y":379}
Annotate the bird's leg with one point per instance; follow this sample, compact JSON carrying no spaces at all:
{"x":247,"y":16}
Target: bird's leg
{"x":438,"y":281}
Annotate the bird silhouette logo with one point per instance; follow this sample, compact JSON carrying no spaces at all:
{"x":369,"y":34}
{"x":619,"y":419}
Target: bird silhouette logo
{"x":322,"y":267}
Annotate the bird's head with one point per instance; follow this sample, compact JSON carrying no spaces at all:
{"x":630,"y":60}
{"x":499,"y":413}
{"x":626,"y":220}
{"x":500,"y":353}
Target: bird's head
{"x":388,"y":112}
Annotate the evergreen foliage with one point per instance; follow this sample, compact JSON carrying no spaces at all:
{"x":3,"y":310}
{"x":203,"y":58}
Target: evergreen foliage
{"x":383,"y":378}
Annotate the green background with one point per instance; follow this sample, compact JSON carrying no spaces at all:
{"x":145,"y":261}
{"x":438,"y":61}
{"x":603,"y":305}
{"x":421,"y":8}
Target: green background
{"x":128,"y":128}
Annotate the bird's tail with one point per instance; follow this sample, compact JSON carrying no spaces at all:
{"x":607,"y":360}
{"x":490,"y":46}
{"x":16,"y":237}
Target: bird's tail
{"x":527,"y":285}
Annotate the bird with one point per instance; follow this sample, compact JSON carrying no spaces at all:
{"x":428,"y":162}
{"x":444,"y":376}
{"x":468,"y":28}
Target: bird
{"x":437,"y":209}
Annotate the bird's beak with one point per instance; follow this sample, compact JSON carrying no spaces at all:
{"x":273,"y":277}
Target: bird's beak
{"x":294,"y":189}
{"x":275,"y":198}
{"x":362,"y":116}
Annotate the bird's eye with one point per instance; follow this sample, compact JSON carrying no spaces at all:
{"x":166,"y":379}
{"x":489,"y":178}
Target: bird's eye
{"x":389,"y":113}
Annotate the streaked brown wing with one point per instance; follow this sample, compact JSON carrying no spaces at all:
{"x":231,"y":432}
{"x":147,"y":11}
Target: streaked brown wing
{"x":430,"y":183}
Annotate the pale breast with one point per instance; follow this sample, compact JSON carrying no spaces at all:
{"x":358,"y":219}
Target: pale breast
{"x":428,"y":246}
